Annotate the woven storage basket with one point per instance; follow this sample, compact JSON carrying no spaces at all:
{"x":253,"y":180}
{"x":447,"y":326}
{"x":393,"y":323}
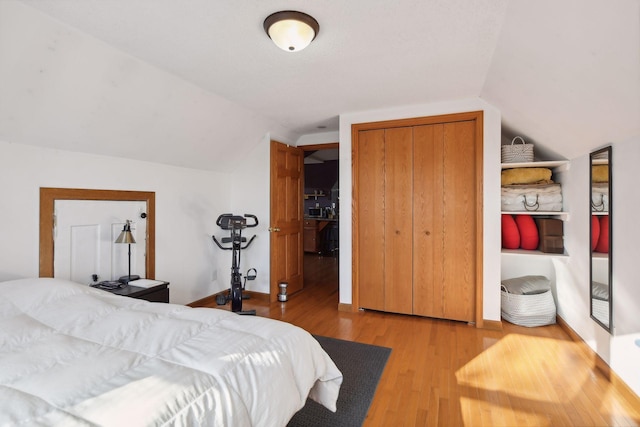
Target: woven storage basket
{"x":600,"y":309}
{"x":528,"y":310}
{"x":515,"y":153}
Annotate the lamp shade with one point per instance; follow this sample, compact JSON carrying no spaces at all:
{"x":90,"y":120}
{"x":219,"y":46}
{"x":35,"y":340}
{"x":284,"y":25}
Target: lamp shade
{"x":125,"y":235}
{"x":290,"y":30}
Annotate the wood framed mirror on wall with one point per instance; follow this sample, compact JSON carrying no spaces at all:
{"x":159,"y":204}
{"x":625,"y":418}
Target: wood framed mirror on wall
{"x":601,"y":269}
{"x":48,"y":197}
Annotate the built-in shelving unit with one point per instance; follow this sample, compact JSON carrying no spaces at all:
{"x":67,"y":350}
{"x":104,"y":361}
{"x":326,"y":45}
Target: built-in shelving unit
{"x":557,"y":166}
{"x":529,"y":253}
{"x":561,"y":215}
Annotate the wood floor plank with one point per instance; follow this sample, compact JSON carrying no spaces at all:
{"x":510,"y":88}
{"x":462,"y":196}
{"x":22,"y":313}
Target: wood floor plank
{"x":445,"y":373}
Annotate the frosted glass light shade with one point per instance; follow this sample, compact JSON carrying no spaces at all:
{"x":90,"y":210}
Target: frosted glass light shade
{"x":290,"y":30}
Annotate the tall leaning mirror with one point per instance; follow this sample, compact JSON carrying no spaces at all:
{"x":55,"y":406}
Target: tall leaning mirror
{"x":601,"y":226}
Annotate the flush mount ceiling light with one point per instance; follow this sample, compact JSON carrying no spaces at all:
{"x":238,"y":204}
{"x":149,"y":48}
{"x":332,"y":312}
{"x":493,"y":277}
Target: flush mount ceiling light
{"x":290,"y":30}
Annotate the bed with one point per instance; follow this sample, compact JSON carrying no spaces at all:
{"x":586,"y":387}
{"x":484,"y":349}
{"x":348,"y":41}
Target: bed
{"x":74,"y":355}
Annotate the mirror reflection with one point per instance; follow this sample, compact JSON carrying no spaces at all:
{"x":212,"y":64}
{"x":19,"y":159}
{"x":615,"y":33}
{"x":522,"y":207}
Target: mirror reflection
{"x":601,"y":272}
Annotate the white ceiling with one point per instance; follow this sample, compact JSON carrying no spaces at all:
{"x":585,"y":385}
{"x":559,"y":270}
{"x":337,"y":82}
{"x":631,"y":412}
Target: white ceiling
{"x":368,"y":54}
{"x":565,"y":73}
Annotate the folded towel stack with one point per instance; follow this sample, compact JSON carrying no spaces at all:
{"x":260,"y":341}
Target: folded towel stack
{"x":531,"y":198}
{"x":600,"y":173}
{"x":600,"y":197}
{"x":526,"y":176}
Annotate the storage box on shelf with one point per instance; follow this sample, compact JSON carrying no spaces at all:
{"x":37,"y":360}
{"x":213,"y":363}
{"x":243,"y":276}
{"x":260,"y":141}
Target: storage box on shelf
{"x":551,"y":232}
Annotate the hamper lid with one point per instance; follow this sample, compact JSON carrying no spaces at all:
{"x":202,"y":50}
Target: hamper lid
{"x":527,"y":285}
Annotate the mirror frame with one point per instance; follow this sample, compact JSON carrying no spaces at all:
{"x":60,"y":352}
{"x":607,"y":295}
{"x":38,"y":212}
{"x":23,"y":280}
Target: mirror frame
{"x":592,"y":157}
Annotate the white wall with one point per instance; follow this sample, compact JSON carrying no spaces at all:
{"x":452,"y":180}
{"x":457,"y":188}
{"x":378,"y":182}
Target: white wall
{"x":61,"y":88}
{"x":491,"y":200}
{"x":572,"y":273}
{"x":250,"y":195}
{"x":68,"y":91}
{"x":187,"y":203}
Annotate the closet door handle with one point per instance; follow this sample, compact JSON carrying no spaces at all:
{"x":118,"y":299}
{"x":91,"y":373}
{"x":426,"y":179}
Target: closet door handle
{"x":273,"y":229}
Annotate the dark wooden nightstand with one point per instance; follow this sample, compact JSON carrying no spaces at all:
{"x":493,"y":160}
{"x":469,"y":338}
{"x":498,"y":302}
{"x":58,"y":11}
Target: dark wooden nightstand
{"x":158,"y":293}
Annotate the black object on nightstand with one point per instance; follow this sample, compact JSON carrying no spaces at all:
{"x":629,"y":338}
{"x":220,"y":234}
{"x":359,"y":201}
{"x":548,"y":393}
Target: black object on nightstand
{"x":158,"y":293}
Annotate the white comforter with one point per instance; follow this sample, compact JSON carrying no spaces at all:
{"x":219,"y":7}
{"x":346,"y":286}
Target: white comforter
{"x":74,"y":355}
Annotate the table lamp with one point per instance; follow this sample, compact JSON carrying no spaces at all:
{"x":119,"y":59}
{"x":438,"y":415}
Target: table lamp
{"x":126,"y":237}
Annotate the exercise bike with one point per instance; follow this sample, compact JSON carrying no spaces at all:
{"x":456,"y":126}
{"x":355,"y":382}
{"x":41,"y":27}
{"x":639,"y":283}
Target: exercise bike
{"x":235,"y":224}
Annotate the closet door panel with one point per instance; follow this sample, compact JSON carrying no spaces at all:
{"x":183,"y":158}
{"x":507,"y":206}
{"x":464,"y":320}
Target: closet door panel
{"x":370,"y":157}
{"x":417,"y":209}
{"x":398,"y":214}
{"x":459,"y":220}
{"x":428,"y":295}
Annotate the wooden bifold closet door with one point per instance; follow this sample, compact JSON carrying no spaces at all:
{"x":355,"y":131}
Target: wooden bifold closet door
{"x":416,"y":210}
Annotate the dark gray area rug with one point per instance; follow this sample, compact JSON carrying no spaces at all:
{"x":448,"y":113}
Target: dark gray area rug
{"x":361,"y":366}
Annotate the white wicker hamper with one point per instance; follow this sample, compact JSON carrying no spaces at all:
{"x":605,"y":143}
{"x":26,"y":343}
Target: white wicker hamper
{"x":600,"y":308}
{"x":528,"y":310}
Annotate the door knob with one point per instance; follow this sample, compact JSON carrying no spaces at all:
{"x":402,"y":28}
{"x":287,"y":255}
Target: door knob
{"x":274,"y":229}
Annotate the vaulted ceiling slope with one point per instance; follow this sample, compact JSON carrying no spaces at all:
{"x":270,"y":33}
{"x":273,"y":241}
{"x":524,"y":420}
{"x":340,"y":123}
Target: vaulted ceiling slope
{"x":191,"y":83}
{"x":566,"y":73}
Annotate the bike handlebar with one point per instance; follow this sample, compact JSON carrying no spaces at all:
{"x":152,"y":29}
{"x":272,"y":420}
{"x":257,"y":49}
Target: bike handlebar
{"x":234,"y":222}
{"x":255,"y":220}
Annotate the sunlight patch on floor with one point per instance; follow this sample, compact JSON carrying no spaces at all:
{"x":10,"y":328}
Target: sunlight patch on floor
{"x":525,"y":355}
{"x":486,"y":413}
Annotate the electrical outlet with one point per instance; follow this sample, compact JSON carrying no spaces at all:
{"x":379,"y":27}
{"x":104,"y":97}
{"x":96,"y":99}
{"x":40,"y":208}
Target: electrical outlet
{"x":214,"y":275}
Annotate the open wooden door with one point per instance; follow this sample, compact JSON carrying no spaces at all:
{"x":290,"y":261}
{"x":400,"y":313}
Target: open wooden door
{"x":286,"y":218}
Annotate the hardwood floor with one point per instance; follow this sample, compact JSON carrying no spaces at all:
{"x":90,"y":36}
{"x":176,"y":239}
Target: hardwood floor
{"x":445,"y":373}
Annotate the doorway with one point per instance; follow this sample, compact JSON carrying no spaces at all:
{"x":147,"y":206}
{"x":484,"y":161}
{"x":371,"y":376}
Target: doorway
{"x":321,"y":207}
{"x":288,"y":216}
